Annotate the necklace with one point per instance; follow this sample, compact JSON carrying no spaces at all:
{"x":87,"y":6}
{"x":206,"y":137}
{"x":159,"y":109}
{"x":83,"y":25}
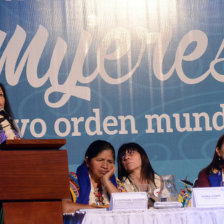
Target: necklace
{"x":98,"y":195}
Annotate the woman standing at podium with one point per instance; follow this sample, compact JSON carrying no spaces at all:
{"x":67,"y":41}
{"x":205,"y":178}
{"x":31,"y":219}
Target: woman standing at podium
{"x":8,"y":128}
{"x":212,"y":175}
{"x":94,"y":181}
{"x":135,"y":171}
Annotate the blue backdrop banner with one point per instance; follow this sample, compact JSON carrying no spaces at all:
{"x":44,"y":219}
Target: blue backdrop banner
{"x":145,"y":71}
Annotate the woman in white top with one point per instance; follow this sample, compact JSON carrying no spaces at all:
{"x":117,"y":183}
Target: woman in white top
{"x":135,"y":170}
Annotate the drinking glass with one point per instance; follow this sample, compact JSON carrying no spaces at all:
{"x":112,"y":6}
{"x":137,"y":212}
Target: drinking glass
{"x":146,"y":188}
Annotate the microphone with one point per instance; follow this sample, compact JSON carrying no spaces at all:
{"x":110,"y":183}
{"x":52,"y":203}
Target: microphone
{"x":2,"y":117}
{"x":4,"y":114}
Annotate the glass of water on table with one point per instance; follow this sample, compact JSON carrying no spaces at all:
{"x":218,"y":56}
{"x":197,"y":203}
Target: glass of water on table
{"x":146,"y":188}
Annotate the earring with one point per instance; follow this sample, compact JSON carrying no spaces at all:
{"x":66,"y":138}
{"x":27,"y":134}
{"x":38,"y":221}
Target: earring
{"x":219,"y":158}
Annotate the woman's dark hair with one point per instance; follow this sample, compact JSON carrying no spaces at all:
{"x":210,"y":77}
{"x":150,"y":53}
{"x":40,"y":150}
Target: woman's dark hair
{"x":7,"y":108}
{"x":216,"y":161}
{"x":147,"y":171}
{"x":97,"y":147}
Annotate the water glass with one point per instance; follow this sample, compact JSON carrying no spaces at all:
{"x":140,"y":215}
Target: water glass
{"x":146,"y":188}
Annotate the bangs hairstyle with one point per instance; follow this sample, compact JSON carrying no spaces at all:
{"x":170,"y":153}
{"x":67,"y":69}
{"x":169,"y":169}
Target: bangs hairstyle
{"x":97,"y":147}
{"x":147,"y":171}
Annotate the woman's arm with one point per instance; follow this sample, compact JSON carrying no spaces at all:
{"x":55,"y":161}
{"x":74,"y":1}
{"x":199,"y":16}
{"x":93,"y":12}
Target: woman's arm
{"x":105,"y":181}
{"x":68,"y":206}
{"x":203,"y":179}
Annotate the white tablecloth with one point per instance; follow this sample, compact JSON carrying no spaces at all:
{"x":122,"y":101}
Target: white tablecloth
{"x":151,"y":216}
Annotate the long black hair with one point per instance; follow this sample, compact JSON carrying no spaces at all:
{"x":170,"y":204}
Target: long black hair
{"x":216,"y":161}
{"x":147,"y":172}
{"x":97,"y":147}
{"x":7,"y":106}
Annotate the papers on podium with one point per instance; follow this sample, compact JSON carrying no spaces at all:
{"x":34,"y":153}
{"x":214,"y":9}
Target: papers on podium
{"x":208,"y":197}
{"x":129,"y":201}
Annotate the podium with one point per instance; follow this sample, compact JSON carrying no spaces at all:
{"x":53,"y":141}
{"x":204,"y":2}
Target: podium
{"x":33,"y":180}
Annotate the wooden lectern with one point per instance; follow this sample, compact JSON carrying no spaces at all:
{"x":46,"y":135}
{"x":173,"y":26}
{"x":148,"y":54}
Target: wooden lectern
{"x":33,"y":180}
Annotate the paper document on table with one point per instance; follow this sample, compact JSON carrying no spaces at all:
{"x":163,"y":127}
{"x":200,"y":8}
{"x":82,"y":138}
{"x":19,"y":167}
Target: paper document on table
{"x":208,"y":197}
{"x":129,"y":201}
{"x":92,"y":210}
{"x":167,"y":204}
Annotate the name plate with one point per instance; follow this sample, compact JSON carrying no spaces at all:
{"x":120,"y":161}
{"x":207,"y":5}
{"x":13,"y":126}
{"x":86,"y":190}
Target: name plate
{"x":129,"y":201}
{"x":208,"y":197}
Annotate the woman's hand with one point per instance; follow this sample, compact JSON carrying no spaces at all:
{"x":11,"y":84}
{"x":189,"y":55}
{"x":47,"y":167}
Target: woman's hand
{"x":106,"y":178}
{"x":105,"y":181}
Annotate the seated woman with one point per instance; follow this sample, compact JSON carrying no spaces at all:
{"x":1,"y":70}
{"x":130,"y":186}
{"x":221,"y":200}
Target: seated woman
{"x":8,"y":128}
{"x":95,"y":180}
{"x":212,"y":175}
{"x":134,"y":170}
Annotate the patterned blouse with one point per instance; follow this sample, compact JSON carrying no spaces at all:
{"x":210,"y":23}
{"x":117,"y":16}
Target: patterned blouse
{"x":6,"y":130}
{"x":130,"y":186}
{"x":97,"y":196}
